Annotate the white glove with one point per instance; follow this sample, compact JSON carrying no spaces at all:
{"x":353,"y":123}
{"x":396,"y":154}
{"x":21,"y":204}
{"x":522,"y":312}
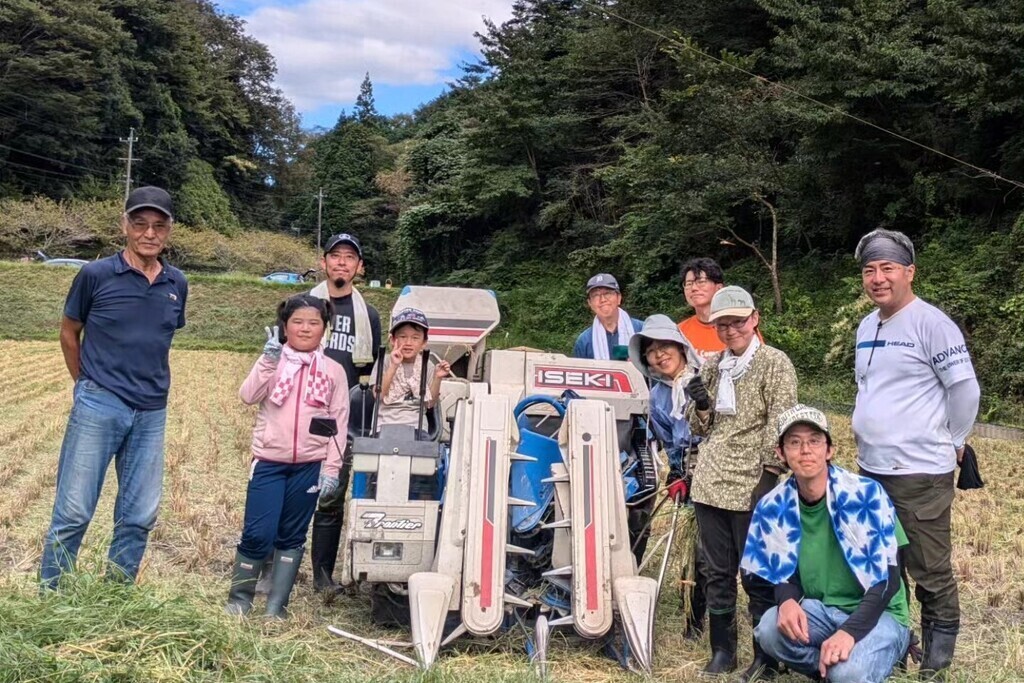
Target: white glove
{"x":272,"y":349}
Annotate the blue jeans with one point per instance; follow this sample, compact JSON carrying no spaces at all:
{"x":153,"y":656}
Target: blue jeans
{"x":871,"y":660}
{"x":279,"y":503}
{"x":101,"y":427}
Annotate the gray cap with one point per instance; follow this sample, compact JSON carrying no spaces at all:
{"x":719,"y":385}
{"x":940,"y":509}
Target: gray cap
{"x":660,"y":328}
{"x":603,"y":280}
{"x":801,"y":414}
{"x":732,"y":300}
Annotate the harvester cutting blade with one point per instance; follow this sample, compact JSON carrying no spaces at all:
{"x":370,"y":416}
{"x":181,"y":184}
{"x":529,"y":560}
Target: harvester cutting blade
{"x":517,"y":601}
{"x":429,"y":596}
{"x":516,"y":550}
{"x":559,"y":571}
{"x":636,"y":598}
{"x":560,"y":524}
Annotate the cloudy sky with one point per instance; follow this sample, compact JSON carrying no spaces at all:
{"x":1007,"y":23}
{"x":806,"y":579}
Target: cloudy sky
{"x":411,"y":48}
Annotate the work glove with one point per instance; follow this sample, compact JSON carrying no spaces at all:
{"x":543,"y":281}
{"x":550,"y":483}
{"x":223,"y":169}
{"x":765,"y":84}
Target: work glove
{"x":328,"y":486}
{"x":678,"y":487}
{"x":698,"y":393}
{"x":272,"y":349}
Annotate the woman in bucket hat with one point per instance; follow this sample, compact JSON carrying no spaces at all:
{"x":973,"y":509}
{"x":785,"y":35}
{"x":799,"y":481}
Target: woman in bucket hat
{"x":661,"y":352}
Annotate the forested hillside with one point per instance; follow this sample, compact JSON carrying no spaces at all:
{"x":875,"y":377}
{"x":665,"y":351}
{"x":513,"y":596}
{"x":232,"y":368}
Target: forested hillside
{"x":593,"y":135}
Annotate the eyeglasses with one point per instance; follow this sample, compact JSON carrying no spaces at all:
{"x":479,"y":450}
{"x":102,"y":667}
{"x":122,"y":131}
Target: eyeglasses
{"x":601,"y":296}
{"x":142,"y":226}
{"x":659,"y":350}
{"x":347,"y":256}
{"x":735,"y":324}
{"x":701,"y":281}
{"x":814,"y":441}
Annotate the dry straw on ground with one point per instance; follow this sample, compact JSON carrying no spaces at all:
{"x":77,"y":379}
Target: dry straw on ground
{"x":190,"y":552}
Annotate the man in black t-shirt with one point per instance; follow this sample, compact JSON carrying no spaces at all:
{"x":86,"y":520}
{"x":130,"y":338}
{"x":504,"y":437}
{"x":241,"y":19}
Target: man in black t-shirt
{"x":353,"y":340}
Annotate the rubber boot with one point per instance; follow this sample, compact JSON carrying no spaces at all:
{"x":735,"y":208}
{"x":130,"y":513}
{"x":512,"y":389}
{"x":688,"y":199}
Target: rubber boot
{"x":723,"y":644}
{"x":266,"y":576}
{"x":286,"y":568}
{"x":698,"y":608}
{"x":323,"y":555}
{"x":939,"y":643}
{"x":243,"y":585}
{"x":763,"y":668}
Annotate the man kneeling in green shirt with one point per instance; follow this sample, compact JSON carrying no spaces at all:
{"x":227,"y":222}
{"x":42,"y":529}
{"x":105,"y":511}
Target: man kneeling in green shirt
{"x":827,"y":539}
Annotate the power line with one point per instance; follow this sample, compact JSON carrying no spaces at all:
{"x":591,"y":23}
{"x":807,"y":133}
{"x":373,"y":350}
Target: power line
{"x":37,"y":169}
{"x":794,"y":91}
{"x":46,"y":158}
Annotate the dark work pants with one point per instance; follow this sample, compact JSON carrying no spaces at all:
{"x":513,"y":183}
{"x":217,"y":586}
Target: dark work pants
{"x":721,"y":535}
{"x":328,"y":520}
{"x":279,"y":502}
{"x":924,"y":505}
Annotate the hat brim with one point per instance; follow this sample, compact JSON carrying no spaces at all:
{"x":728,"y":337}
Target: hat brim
{"x":603,"y":286}
{"x":810,"y":423}
{"x":161,"y":209}
{"x":425,"y":328}
{"x":350,"y":243}
{"x":734,"y":312}
{"x":638,"y":359}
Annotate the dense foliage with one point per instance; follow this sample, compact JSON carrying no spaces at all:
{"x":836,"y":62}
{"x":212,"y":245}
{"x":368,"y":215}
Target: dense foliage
{"x":622,"y":135}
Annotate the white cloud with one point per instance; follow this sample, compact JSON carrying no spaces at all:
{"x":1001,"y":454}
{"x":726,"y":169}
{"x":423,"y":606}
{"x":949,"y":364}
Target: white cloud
{"x":324,"y":47}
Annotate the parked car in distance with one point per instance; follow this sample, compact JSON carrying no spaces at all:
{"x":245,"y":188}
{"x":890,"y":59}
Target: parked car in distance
{"x":65,"y":262}
{"x":282,"y":277}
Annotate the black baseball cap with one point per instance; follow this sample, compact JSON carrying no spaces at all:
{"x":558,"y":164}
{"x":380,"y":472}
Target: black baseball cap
{"x":150,"y":197}
{"x":343,"y":238}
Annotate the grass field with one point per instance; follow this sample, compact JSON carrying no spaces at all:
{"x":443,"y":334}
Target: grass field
{"x":170,"y":628}
{"x":225,"y":312}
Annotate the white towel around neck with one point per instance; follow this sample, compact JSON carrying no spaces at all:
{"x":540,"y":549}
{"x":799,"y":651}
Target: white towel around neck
{"x":730,"y":369}
{"x":625,"y":331}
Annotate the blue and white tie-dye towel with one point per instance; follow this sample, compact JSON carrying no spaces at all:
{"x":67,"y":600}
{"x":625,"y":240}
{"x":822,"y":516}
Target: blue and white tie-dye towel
{"x":862,"y":516}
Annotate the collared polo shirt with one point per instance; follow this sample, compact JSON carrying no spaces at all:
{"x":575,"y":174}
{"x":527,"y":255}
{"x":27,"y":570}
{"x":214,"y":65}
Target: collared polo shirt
{"x":129,"y":324}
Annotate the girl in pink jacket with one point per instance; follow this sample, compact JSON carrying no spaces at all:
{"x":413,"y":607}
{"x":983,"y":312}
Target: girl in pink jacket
{"x":293,"y":382}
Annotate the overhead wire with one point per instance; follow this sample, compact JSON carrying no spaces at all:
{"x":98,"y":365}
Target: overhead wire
{"x":793,"y":91}
{"x":56,"y":161}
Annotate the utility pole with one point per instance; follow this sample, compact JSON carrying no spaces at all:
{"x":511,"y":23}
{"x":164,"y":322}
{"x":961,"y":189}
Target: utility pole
{"x":128,"y":170}
{"x":319,"y":216}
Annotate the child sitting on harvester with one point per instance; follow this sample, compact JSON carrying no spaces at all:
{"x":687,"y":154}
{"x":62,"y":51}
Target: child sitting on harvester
{"x":403,"y":371}
{"x":293,"y":382}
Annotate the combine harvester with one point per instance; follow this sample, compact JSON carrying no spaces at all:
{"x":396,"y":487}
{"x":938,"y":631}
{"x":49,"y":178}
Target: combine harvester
{"x":525,"y":502}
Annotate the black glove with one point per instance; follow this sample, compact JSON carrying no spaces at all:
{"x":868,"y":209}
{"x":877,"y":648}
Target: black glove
{"x":698,"y":393}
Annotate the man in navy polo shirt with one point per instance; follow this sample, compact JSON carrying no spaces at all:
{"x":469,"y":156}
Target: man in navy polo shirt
{"x":128,"y":305}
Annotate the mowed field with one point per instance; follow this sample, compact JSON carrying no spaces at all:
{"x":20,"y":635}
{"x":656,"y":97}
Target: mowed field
{"x":171,"y":628}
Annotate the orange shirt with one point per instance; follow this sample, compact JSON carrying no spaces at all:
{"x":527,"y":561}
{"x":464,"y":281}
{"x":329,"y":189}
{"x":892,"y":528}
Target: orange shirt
{"x":704,"y":336}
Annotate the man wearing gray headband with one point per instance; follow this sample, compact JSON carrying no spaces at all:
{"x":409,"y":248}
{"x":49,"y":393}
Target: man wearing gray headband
{"x":917,"y":399}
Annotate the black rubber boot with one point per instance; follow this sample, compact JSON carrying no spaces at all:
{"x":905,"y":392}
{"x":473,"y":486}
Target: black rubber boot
{"x":286,"y":568}
{"x":763,"y":668}
{"x":723,"y":644}
{"x":328,"y":520}
{"x":939,"y":642}
{"x":324,"y":551}
{"x":243,"y":585}
{"x":698,"y":608}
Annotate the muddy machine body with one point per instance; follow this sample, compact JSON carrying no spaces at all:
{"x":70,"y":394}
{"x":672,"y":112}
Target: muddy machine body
{"x":522,"y":503}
